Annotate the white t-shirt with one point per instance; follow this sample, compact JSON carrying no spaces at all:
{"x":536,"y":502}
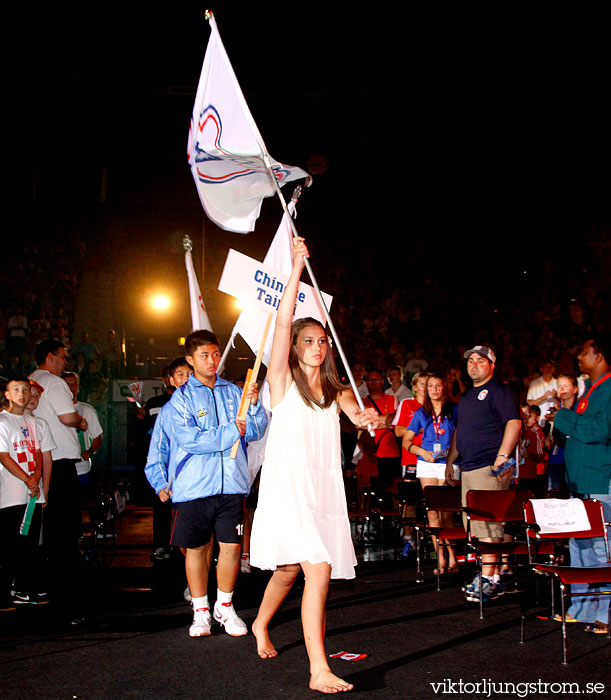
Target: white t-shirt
{"x":401,"y":394}
{"x":18,"y":438}
{"x":94,"y":430}
{"x":47,"y":443}
{"x":362,"y":389}
{"x":538,"y":388}
{"x":56,"y":400}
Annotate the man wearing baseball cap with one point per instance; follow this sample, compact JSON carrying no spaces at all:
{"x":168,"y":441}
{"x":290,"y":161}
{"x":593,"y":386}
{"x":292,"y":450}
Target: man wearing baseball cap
{"x":487,"y":430}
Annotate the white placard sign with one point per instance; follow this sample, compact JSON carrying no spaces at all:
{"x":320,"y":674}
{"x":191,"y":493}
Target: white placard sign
{"x":262,"y":286}
{"x":560,"y":515}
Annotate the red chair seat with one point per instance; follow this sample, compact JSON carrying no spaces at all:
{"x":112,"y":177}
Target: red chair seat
{"x":578,"y":574}
{"x":515,"y":548}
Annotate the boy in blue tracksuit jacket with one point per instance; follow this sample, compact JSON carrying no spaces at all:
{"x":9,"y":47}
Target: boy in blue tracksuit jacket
{"x":161,"y":463}
{"x":209,"y":486}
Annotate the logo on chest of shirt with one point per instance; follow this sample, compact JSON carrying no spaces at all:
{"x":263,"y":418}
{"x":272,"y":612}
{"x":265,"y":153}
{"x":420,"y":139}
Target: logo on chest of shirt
{"x":26,"y":431}
{"x":202,"y":412}
{"x":482,"y":394}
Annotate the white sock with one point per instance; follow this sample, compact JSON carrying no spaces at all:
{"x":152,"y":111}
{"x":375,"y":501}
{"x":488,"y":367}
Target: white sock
{"x":200,"y":603}
{"x":496,"y":578}
{"x":222,"y":597}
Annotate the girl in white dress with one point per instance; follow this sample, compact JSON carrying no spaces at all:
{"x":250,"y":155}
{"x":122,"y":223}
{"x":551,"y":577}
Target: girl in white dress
{"x":301,"y":521}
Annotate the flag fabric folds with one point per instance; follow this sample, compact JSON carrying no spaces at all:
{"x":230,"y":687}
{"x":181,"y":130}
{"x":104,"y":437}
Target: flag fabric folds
{"x":199,"y":316}
{"x":226,"y":152}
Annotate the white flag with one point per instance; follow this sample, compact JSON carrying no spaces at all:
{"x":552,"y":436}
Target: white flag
{"x":226,"y":151}
{"x":251,"y":321}
{"x":199,"y":316}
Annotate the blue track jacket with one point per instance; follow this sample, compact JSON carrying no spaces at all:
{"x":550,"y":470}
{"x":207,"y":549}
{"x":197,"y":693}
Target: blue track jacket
{"x":199,"y":425}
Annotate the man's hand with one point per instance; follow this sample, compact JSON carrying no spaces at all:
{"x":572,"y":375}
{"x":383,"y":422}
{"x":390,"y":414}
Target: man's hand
{"x":32,"y":481}
{"x":253,"y":393}
{"x":164,"y":495}
{"x":499,"y":461}
{"x":241,"y":423}
{"x":83,"y":425}
{"x":450,"y":475}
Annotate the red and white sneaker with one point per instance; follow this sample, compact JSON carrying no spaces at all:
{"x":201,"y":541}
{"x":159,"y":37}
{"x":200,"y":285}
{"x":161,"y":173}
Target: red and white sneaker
{"x":201,"y":623}
{"x":225,"y":614}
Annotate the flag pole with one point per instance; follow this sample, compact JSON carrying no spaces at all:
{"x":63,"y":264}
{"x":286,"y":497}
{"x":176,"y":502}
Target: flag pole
{"x":226,"y":352}
{"x":334,"y":335}
{"x":294,"y":199}
{"x":251,"y":378}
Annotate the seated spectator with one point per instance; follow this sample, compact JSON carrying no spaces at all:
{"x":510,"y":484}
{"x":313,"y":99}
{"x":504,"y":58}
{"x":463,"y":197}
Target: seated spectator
{"x":555,"y":441}
{"x":542,"y":391}
{"x":381,"y":455}
{"x":397,"y":387}
{"x":532,"y":471}
{"x":86,"y":347}
{"x":454,"y":385}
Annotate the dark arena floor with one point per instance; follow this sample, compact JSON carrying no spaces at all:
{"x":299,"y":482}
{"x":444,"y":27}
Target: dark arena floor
{"x":420,"y":642}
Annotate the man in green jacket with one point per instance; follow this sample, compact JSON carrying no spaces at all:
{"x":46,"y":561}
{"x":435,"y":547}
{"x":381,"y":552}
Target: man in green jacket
{"x":588,"y":468}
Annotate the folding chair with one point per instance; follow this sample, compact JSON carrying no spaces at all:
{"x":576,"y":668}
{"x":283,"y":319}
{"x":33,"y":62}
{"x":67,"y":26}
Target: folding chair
{"x":359,"y":511}
{"x":496,"y":507}
{"x":387,"y":516}
{"x":443,"y":498}
{"x":98,"y":525}
{"x":411,"y":505}
{"x":566,"y":575}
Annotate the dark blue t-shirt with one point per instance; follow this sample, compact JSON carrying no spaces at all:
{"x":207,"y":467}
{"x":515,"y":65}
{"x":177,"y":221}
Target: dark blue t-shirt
{"x":482,"y":415}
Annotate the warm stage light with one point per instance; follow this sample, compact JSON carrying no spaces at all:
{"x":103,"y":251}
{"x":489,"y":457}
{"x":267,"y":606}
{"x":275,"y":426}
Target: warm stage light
{"x":161,"y":302}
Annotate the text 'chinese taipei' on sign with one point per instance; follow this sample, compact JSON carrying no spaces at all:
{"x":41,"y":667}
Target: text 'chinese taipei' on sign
{"x":255,"y":283}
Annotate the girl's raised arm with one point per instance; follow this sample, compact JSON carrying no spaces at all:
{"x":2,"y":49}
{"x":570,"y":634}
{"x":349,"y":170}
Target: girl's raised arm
{"x":278,"y":372}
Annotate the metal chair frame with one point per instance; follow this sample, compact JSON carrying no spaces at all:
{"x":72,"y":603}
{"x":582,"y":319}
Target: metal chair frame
{"x":443,"y":498}
{"x":565,"y":575}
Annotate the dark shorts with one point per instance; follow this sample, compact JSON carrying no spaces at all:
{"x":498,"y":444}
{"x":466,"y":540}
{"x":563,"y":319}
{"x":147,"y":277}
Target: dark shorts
{"x":194,"y":522}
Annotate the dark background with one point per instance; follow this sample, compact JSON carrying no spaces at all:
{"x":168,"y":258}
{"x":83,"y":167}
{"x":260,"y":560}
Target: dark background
{"x":468,"y":147}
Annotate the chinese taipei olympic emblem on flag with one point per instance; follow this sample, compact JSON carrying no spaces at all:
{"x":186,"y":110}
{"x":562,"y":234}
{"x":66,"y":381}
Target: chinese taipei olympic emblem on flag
{"x":226,"y":152}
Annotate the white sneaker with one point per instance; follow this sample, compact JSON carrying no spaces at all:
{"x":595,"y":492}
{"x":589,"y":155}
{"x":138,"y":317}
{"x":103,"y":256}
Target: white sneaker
{"x":201,"y":623}
{"x":187,"y":595}
{"x":245,"y":563}
{"x":225,"y":614}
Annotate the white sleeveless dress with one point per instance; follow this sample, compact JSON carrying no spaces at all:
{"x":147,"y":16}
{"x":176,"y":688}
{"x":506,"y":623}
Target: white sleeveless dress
{"x":301,"y":513}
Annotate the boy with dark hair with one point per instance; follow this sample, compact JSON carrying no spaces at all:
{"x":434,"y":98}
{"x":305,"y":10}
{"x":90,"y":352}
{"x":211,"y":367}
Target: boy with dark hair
{"x":209,"y":485}
{"x":47,"y":444}
{"x":20,"y":479}
{"x":161,"y":463}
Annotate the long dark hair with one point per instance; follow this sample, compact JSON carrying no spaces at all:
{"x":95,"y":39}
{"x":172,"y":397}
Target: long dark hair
{"x":447,"y":408}
{"x":329,"y":381}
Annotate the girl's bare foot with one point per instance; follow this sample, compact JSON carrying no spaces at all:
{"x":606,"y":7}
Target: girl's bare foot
{"x":265,"y":648}
{"x":326,"y":681}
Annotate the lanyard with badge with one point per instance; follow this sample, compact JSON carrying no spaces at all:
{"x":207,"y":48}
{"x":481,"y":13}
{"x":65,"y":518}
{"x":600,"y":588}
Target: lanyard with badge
{"x":583,"y":403}
{"x":438,"y":431}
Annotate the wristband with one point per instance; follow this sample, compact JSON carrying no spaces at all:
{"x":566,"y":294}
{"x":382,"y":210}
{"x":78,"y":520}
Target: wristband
{"x":502,"y":455}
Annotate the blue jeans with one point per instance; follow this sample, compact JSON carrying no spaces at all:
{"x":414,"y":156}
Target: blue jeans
{"x":591,"y":552}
